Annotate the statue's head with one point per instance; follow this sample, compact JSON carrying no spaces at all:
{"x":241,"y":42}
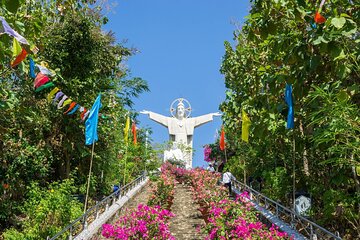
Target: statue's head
{"x":180,"y":110}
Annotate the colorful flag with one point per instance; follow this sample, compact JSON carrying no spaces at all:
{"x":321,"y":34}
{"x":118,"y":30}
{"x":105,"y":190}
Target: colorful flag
{"x":48,"y":85}
{"x":319,"y":19}
{"x":52,"y":93}
{"x":40,"y":80}
{"x":133,"y":130}
{"x":289,"y":102}
{"x":245,"y":126}
{"x":16,"y":48}
{"x":222,"y":139}
{"x":8,"y":30}
{"x":72,"y":105}
{"x":92,"y":122}
{"x":45,"y":71}
{"x":32,"y":68}
{"x":126,"y":130}
{"x":19,"y":58}
{"x":74,"y":109}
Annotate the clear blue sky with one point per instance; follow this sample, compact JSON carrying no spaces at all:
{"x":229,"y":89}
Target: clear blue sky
{"x":181,"y":45}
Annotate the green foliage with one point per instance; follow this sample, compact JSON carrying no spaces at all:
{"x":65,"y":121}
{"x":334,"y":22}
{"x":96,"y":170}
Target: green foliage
{"x":38,"y":143}
{"x":47,"y":211}
{"x":277,"y":182}
{"x":337,"y":126}
{"x":280,"y":43}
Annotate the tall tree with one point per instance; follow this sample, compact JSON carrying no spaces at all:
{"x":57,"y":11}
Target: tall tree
{"x":281,"y":43}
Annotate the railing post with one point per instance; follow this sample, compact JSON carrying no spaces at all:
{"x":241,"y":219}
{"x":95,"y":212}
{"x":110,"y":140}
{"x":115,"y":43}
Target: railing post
{"x":107,"y":205}
{"x":85,"y":225}
{"x":119,"y":195}
{"x":70,"y":235}
{"x":97,"y":211}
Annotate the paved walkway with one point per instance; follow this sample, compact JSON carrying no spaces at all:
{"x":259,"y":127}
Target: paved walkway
{"x":188,"y":218}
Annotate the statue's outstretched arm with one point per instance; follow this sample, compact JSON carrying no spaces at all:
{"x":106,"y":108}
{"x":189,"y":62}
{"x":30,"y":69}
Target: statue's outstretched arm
{"x":163,"y":120}
{"x":144,"y":112}
{"x":205,"y":118}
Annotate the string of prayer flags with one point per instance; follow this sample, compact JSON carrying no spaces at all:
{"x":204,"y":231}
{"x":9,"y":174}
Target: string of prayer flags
{"x":133,"y":130}
{"x":289,"y":102}
{"x":126,"y":130}
{"x":245,"y":126}
{"x":222,"y":139}
{"x":92,"y":122}
{"x":319,"y":19}
{"x":42,"y":78}
{"x":5,"y":28}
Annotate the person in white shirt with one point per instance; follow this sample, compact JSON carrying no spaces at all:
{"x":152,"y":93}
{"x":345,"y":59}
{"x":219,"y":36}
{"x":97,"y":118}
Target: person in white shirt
{"x":226,"y":179}
{"x":210,"y":168}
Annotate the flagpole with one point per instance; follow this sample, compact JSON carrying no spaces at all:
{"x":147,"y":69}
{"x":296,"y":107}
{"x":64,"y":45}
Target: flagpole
{"x":88,"y":184}
{"x":244,"y":172}
{"x":225,"y":154}
{"x":126,"y":140}
{"x":126,"y":152}
{"x":293,"y":157}
{"x":146,"y":146}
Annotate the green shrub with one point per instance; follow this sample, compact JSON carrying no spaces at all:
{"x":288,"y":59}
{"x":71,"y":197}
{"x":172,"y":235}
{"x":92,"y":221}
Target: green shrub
{"x":47,"y":211}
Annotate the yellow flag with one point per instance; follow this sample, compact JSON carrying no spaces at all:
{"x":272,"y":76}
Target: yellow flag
{"x":126,"y":130}
{"x":17,"y":49}
{"x":245,"y":126}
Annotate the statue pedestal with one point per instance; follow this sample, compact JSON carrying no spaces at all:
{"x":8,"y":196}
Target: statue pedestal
{"x":178,"y":155}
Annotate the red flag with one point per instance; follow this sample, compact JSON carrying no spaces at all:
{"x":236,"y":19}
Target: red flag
{"x":133,"y":130}
{"x":19,"y":58}
{"x":319,"y":18}
{"x":222,"y":140}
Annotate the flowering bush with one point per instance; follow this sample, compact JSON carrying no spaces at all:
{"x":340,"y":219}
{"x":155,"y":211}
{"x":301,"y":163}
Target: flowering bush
{"x":145,"y":222}
{"x":205,"y":188}
{"x":227,"y":219}
{"x":148,"y":222}
{"x":207,"y":153}
{"x":163,"y":189}
{"x":237,"y":219}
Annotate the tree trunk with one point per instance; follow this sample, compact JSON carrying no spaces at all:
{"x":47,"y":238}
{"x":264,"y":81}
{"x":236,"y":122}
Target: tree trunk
{"x":305,"y":154}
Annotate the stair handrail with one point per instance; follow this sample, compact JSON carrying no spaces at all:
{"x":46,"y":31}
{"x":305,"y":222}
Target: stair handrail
{"x":312,"y":234}
{"x":84,"y":220}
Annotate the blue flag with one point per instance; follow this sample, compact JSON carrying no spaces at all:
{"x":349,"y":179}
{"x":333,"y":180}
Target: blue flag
{"x":92,"y":122}
{"x":32,"y":68}
{"x":289,"y":102}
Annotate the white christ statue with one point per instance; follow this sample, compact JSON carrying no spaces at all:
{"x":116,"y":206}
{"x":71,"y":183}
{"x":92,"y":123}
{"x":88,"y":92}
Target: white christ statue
{"x":181,"y":126}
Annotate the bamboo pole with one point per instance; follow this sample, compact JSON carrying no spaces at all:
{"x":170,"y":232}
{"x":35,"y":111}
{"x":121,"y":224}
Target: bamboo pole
{"x":88,"y":183}
{"x":126,"y":152}
{"x":294,"y":176}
